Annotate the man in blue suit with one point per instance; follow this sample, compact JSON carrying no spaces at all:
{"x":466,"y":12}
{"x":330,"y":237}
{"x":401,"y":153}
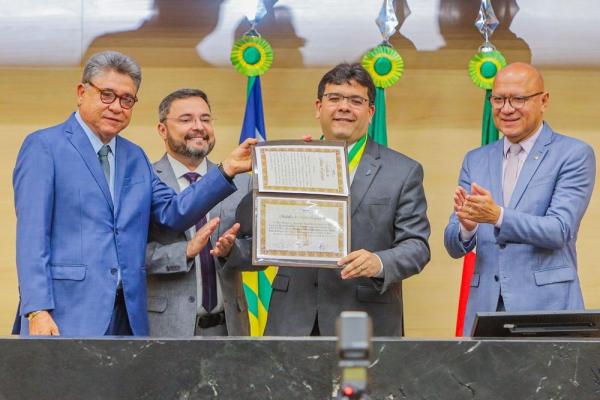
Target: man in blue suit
{"x":84,"y":197}
{"x":520,"y":201}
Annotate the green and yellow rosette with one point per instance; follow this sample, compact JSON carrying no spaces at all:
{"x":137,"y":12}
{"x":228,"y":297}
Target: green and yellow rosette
{"x":484,"y":66}
{"x":385,"y":65}
{"x":252,"y":55}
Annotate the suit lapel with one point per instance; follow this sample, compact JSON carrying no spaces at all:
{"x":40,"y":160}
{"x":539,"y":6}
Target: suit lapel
{"x":164,"y":171}
{"x":82,"y":144}
{"x":120,"y":167}
{"x":496,"y":157}
{"x":533,"y":161}
{"x":365,"y":173}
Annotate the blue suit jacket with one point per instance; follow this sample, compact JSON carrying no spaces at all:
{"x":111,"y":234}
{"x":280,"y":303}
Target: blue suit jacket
{"x":72,"y":237}
{"x":531,"y":259}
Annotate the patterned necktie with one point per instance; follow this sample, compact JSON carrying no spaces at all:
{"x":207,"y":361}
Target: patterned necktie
{"x":103,"y":157}
{"x":511,"y":172}
{"x":207,"y":263}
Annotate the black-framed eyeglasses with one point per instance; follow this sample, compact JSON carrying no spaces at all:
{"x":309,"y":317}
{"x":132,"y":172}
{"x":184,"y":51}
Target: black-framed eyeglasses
{"x":515,"y":102}
{"x":336,"y":98}
{"x":108,"y":96}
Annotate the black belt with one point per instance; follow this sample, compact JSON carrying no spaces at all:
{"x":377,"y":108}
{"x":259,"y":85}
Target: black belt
{"x":210,"y":320}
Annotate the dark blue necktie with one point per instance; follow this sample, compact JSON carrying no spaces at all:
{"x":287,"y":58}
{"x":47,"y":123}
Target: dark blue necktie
{"x":207,"y":263}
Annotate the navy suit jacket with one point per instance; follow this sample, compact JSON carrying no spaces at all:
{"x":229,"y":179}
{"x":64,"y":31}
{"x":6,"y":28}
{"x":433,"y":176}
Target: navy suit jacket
{"x":72,"y":238}
{"x":531,"y":259}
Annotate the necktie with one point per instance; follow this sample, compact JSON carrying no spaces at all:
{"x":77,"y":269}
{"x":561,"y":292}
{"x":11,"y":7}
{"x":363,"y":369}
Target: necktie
{"x":511,"y":172}
{"x":103,"y":157}
{"x":207,"y":263}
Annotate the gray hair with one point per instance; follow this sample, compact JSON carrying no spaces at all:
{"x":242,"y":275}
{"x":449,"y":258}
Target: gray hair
{"x":165,"y":104}
{"x":112,"y":61}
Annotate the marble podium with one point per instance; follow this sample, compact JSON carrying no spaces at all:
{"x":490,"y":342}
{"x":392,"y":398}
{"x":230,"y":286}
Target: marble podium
{"x":295,"y":368}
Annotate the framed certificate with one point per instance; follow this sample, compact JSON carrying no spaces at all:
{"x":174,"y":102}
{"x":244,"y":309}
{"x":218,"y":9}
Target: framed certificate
{"x":299,"y":231}
{"x":301,"y":204}
{"x":302,"y":167}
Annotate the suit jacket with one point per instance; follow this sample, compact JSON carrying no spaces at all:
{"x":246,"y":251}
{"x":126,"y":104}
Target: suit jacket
{"x":531,"y":258}
{"x":72,"y":238}
{"x":172,"y":280}
{"x":388,"y":217}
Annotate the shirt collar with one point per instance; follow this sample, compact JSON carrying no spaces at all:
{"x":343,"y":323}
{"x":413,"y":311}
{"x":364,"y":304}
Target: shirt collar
{"x":351,"y":146}
{"x":526,"y":144}
{"x":179,"y":169}
{"x":95,"y":140}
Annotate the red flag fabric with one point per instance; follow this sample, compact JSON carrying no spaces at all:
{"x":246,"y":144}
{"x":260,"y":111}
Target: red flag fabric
{"x":489,"y":134}
{"x":465,"y":286}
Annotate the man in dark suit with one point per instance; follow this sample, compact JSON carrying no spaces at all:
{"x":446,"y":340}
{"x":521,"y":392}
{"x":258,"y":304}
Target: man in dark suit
{"x":84,"y":198}
{"x":520,"y":200}
{"x":188,"y":291}
{"x":390,"y":228}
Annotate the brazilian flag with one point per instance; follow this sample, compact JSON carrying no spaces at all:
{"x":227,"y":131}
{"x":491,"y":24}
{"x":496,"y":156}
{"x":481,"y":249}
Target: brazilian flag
{"x":257,"y":285}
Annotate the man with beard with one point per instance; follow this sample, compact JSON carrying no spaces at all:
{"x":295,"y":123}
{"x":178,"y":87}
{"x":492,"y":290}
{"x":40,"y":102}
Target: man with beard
{"x":189,"y":293}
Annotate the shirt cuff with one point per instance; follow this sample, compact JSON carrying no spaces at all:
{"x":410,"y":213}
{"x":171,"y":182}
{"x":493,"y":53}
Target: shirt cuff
{"x":498,"y":223}
{"x":464,"y":235}
{"x":380,"y":274}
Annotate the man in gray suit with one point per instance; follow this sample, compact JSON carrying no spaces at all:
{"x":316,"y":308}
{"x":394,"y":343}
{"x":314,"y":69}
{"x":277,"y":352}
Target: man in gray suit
{"x":188,"y":291}
{"x":390,"y":228}
{"x":520,"y":200}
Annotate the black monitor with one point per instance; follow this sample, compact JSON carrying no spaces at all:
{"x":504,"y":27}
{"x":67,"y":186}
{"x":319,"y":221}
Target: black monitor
{"x":537,"y":324}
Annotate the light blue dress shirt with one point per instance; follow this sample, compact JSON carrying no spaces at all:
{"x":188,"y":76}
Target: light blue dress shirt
{"x":97,"y":144}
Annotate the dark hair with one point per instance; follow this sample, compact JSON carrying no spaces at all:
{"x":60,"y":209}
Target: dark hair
{"x":165,"y":105}
{"x":112,"y":61}
{"x":344,"y":73}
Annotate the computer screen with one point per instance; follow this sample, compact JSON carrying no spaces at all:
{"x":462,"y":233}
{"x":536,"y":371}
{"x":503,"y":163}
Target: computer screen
{"x":537,"y":324}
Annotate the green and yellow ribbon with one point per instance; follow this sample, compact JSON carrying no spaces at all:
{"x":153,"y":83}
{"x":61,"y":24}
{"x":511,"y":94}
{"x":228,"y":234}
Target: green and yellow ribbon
{"x":484,"y":66}
{"x":384,"y":64}
{"x":252,"y":55}
{"x":355,"y":154}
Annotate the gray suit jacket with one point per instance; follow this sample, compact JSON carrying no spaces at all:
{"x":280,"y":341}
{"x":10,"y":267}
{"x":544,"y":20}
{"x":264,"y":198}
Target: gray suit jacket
{"x":531,"y":260}
{"x":172,"y":278}
{"x":388,"y":218}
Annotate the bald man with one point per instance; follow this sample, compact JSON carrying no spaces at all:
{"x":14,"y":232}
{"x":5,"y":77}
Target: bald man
{"x":520,"y":201}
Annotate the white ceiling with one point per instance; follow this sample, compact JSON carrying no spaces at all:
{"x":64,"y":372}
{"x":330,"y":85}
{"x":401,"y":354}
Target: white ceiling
{"x":58,"y":32}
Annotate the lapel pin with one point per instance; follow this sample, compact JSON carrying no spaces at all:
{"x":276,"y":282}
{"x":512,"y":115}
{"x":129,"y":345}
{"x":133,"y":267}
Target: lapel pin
{"x":368,"y":172}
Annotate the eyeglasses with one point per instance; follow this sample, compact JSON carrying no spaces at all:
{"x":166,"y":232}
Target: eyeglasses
{"x":108,"y":96}
{"x":188,"y":120}
{"x":516,"y":102}
{"x":336,"y":98}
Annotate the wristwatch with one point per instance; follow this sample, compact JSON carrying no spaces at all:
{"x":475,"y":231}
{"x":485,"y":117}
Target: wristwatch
{"x":33,"y":314}
{"x":222,"y":169}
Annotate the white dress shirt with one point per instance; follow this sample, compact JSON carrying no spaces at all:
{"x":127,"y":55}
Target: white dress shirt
{"x":180,"y":170}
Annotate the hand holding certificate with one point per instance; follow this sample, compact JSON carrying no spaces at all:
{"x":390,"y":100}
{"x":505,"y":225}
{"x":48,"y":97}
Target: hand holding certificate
{"x":301,"y":204}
